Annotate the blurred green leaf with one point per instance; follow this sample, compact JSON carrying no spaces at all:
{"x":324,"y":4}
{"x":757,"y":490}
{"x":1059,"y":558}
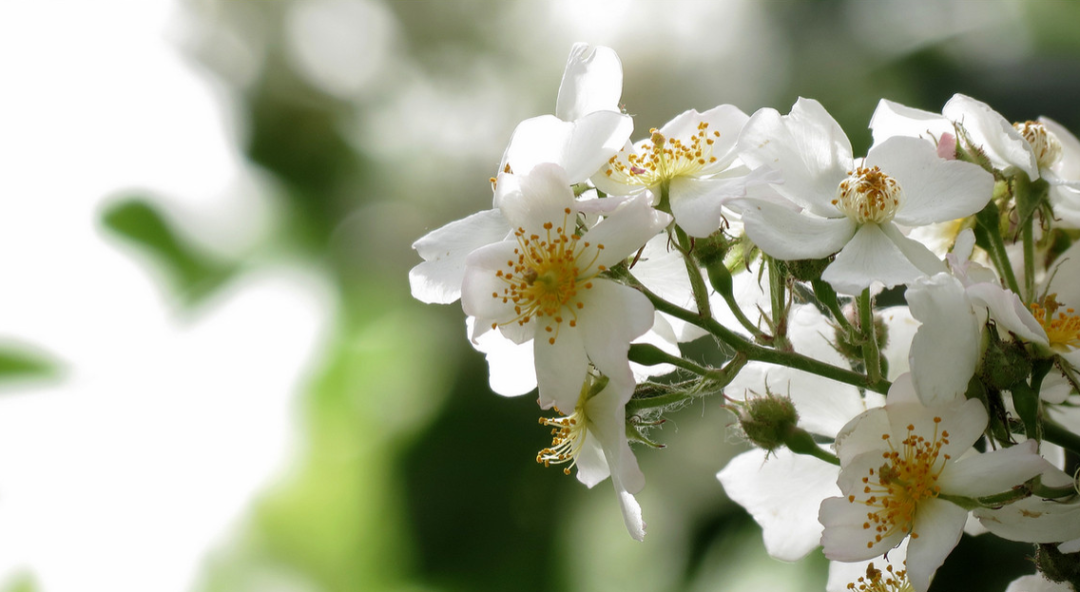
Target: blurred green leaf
{"x":193,"y":273}
{"x":20,"y":363}
{"x":21,"y":583}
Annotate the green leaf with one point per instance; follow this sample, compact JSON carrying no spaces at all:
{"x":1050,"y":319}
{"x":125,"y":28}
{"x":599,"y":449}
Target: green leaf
{"x":21,"y":363}
{"x":193,"y":273}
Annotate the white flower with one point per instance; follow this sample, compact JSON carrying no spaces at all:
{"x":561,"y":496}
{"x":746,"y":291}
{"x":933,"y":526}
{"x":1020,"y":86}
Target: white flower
{"x":587,"y":128}
{"x":1034,"y":519}
{"x":546,"y":283}
{"x":694,"y":156}
{"x":1041,"y":149}
{"x":885,"y":573}
{"x":592,"y":438}
{"x":853,"y":208}
{"x":1037,"y":583}
{"x":898,"y":463}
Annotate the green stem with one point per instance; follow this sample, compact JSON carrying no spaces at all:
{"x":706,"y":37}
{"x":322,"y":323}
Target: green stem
{"x":1055,"y":433}
{"x":989,"y":227}
{"x":800,"y":441}
{"x":778,"y":295}
{"x":755,"y":352}
{"x":1029,"y":259}
{"x":871,"y":355}
{"x":650,"y":355}
{"x":827,"y":296}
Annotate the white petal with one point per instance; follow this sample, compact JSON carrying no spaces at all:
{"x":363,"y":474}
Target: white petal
{"x":782,"y":493}
{"x":591,"y":463}
{"x":726,"y":119}
{"x":1008,"y":311}
{"x":939,"y":525}
{"x":946,"y":348}
{"x":622,"y":233}
{"x":511,"y":369}
{"x":612,"y":315}
{"x":843,"y":573}
{"x":1037,"y":583}
{"x":807,"y":146}
{"x":993,"y":133}
{"x":698,"y":204}
{"x":843,"y":537}
{"x":1068,"y":167}
{"x":1033,"y":520}
{"x":560,"y":368}
{"x":592,"y":81}
{"x":871,"y":256}
{"x":482,"y":289}
{"x":901,"y":327}
{"x":581,"y":146}
{"x":438,"y":279}
{"x":994,"y":472}
{"x":893,"y":119}
{"x":530,"y":200}
{"x":789,"y":235}
{"x":934,"y":189}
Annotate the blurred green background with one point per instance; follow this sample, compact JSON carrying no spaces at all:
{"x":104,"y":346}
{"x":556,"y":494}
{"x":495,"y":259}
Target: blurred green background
{"x":163,"y":158}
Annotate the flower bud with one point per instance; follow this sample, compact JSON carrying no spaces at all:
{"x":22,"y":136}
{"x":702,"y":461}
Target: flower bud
{"x":805,"y":270}
{"x":768,"y":422}
{"x":1057,"y":566}
{"x":1004,"y":363}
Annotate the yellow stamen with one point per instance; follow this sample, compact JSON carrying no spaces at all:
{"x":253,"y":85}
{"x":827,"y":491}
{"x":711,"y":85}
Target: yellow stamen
{"x":663,"y":159}
{"x":868,"y":195}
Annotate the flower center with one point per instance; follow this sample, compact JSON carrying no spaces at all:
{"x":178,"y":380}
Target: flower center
{"x":1063,"y":330}
{"x":544,"y":281}
{"x":876,"y":580}
{"x":567,"y":436}
{"x":1045,"y":144}
{"x":663,"y":159}
{"x":868,"y":195}
{"x":908,"y":476}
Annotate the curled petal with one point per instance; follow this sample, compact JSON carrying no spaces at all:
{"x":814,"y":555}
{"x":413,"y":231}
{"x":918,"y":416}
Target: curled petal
{"x":592,"y":81}
{"x":788,"y":235}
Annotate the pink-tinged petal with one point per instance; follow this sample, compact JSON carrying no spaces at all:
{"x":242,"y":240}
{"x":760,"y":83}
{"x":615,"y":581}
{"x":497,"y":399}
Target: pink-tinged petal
{"x":560,"y":367}
{"x":511,"y":368}
{"x":1068,"y":167}
{"x":807,"y":146}
{"x":993,"y":133}
{"x":870,"y":256}
{"x":438,"y":279}
{"x":592,"y":81}
{"x":530,"y":200}
{"x":767,"y":488}
{"x":1033,"y":520}
{"x":893,"y":119}
{"x":939,"y":525}
{"x":789,"y":235}
{"x":1008,"y":312}
{"x":581,"y":146}
{"x":946,"y":348}
{"x":612,"y":316}
{"x":843,"y":537}
{"x":934,"y":190}
{"x":994,"y":472}
{"x":1037,"y":583}
{"x":622,"y":233}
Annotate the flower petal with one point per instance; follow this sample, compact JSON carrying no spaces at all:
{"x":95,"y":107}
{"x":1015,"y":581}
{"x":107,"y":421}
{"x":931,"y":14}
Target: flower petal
{"x":873,"y":255}
{"x":698,"y":204}
{"x":939,"y":525}
{"x":592,"y":81}
{"x":945,"y":349}
{"x":788,"y":235}
{"x":1033,"y":520}
{"x":612,"y":315}
{"x":529,"y":200}
{"x":438,"y":279}
{"x":581,"y":146}
{"x":934,"y":189}
{"x":893,"y":119}
{"x":993,"y":472}
{"x":766,"y":485}
{"x":1068,"y":167}
{"x":1008,"y":311}
{"x":511,"y":368}
{"x":843,"y":537}
{"x":993,"y":133}
{"x":728,"y":120}
{"x":807,"y":146}
{"x":622,"y":233}
{"x":561,"y":368}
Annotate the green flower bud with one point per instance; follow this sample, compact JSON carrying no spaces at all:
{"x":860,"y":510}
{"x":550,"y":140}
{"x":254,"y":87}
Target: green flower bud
{"x":1004,"y":363}
{"x":767,"y":422}
{"x":805,"y":270}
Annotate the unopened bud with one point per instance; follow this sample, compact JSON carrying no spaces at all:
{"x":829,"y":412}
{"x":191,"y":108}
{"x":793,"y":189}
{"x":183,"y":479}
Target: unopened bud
{"x":1057,"y":566}
{"x":805,"y":270}
{"x":768,"y":422}
{"x":1004,"y":363}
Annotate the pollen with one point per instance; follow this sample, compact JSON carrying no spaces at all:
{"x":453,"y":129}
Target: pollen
{"x":1043,"y":142}
{"x":662,"y":159}
{"x":545,"y":280}
{"x":908,"y":476}
{"x":868,"y":195}
{"x":1062,"y":325}
{"x":877,"y":580}
{"x":568,"y":435}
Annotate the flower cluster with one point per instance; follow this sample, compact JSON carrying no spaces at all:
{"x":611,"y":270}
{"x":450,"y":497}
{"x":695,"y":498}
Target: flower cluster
{"x":899,"y":329}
